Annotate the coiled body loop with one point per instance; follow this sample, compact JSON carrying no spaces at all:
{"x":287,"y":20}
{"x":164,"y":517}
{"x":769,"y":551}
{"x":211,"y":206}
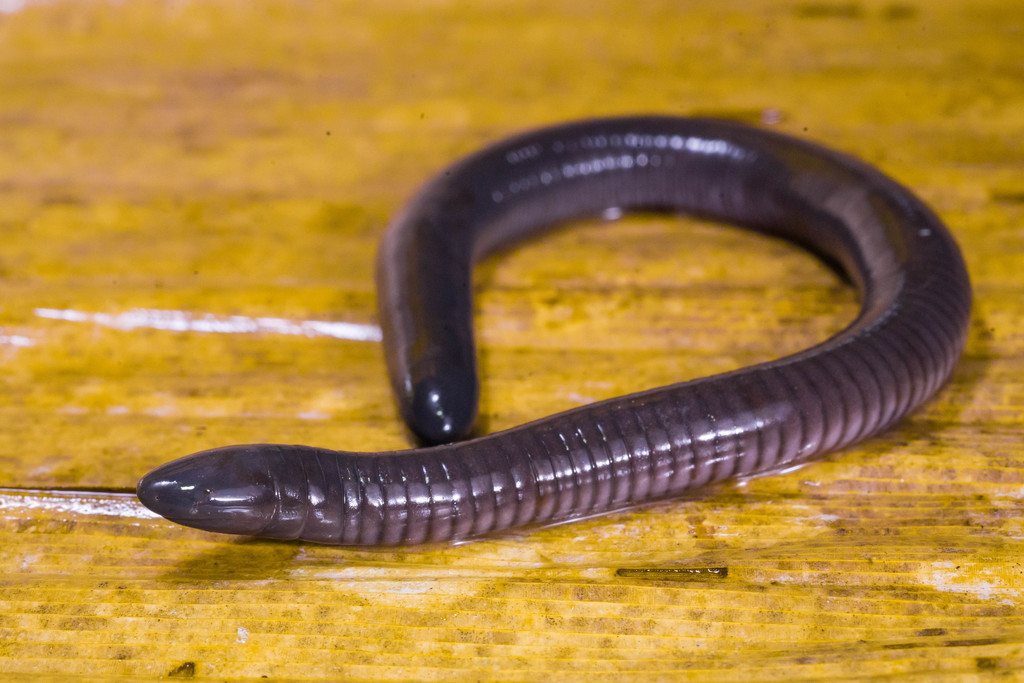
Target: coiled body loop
{"x":915,"y":304}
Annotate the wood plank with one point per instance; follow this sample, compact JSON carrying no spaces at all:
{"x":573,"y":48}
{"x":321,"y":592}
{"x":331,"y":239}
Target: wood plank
{"x":173,"y":171}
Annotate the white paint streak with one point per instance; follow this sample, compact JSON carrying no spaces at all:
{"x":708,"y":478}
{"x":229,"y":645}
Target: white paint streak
{"x":243,"y":634}
{"x":12,"y":6}
{"x":182,"y":321}
{"x":15,"y":340}
{"x":18,"y":503}
{"x":15,"y":6}
{"x":981,"y":583}
{"x":402,"y":587}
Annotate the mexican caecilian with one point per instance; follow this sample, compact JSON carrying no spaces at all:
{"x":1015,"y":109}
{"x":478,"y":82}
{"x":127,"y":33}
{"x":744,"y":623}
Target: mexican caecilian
{"x":915,"y":301}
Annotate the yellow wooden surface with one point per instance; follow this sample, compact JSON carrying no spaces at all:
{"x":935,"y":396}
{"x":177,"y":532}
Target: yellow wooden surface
{"x":218,"y":158}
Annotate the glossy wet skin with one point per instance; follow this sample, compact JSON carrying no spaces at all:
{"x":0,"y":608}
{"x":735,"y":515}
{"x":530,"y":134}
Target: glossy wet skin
{"x":915,"y":297}
{"x":181,"y":489}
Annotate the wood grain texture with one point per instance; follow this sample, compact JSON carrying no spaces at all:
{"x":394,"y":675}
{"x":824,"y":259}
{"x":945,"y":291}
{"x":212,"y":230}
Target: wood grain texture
{"x":221,"y":158}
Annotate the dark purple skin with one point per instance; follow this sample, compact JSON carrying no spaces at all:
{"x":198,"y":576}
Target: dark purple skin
{"x":915,"y":303}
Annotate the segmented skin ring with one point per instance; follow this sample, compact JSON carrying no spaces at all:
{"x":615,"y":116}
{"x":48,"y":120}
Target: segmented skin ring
{"x":915,"y":305}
